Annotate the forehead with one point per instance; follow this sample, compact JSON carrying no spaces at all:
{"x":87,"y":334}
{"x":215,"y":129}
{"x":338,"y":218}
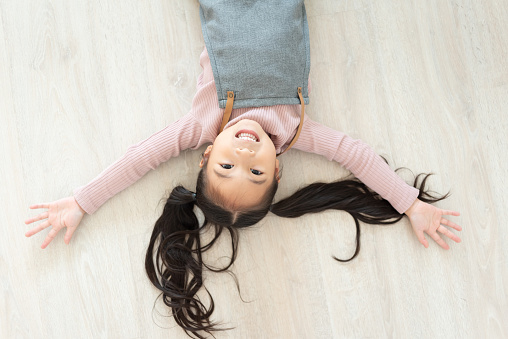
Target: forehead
{"x":237,"y":192}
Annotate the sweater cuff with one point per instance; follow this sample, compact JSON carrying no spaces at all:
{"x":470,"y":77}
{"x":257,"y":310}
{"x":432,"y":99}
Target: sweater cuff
{"x":407,"y":200}
{"x":87,"y":206}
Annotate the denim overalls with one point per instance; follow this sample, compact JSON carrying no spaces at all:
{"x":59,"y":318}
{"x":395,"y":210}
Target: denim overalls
{"x":259,"y":51}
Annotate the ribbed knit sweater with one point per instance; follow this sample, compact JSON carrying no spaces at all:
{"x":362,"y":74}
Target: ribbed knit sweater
{"x":201,"y":125}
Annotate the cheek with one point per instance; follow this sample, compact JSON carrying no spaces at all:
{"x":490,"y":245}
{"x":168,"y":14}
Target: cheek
{"x":220,"y":144}
{"x":224,"y":137}
{"x":270,"y":152}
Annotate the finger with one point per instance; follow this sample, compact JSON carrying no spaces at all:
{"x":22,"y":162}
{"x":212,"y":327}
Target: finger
{"x":51,"y":235}
{"x":37,"y":218}
{"x":449,"y":212}
{"x":422,"y":239}
{"x":43,"y":205}
{"x":451,"y":224}
{"x":37,"y":229}
{"x":68,"y":234}
{"x":440,"y":241}
{"x":445,"y":231}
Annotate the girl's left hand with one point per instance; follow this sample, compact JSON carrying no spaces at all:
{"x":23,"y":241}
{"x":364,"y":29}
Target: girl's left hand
{"x":429,"y":219}
{"x":60,"y":214}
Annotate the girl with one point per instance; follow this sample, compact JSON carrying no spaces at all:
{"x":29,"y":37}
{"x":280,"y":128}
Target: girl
{"x":249,"y":104}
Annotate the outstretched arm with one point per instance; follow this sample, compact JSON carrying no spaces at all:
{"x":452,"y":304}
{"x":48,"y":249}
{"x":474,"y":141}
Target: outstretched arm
{"x":137,"y":161}
{"x":358,"y":157}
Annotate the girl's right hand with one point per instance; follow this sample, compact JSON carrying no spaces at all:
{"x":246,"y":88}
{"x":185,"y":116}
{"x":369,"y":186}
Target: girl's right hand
{"x":62,"y":213}
{"x":427,"y":218}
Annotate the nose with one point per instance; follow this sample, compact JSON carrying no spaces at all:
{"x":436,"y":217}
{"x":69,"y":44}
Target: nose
{"x":244,"y":151}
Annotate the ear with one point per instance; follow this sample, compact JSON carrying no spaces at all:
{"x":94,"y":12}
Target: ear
{"x":206,"y":155}
{"x":277,"y":170}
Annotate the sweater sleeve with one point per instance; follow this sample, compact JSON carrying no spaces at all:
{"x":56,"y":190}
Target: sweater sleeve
{"x":360,"y":159}
{"x":138,"y":160}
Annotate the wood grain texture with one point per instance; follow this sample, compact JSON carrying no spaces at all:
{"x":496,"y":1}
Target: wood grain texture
{"x":424,"y":82}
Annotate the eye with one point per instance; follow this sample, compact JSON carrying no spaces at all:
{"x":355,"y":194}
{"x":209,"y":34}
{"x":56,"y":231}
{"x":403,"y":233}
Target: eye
{"x":228,"y":166}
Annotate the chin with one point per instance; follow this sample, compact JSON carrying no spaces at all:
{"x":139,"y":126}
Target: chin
{"x":248,"y":121}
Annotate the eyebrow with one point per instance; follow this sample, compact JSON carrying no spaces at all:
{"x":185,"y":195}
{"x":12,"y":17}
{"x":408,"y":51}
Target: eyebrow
{"x":261,"y":182}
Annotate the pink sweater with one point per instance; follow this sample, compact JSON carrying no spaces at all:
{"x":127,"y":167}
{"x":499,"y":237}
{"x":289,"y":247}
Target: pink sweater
{"x":201,"y":126}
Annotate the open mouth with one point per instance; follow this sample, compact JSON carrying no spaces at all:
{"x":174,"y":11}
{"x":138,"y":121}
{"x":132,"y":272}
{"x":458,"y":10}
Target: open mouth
{"x":245,"y":134}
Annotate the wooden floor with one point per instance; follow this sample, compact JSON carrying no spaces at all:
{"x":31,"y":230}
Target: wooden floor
{"x":425,"y":83}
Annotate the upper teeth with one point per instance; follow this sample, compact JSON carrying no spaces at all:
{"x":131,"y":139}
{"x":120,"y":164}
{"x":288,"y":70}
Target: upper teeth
{"x":247,"y":136}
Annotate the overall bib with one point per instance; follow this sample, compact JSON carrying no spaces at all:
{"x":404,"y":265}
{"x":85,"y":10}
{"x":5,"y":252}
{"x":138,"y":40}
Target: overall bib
{"x":259,"y":51}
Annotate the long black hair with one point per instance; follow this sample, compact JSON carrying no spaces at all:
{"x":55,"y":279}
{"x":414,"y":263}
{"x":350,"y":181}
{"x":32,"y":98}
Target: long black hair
{"x":178,"y":267}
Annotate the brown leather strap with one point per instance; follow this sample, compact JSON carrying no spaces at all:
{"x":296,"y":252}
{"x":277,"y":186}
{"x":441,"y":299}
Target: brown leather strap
{"x":228,"y":110}
{"x":301,"y":123}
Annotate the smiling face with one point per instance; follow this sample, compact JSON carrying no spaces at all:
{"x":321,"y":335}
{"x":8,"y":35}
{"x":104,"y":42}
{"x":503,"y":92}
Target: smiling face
{"x":241,"y":164}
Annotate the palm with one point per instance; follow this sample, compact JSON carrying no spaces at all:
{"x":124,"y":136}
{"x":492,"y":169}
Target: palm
{"x":61,"y":213}
{"x":429,"y":219}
